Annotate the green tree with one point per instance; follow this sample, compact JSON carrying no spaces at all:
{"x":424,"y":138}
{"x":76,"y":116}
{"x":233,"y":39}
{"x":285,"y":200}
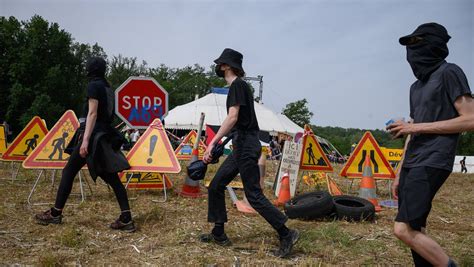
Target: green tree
{"x":41,"y":71}
{"x":298,"y":112}
{"x":466,"y":144}
{"x":121,"y":68}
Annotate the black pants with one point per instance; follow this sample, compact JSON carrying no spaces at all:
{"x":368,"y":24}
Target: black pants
{"x":73,"y":166}
{"x":416,"y":191}
{"x":243,"y":160}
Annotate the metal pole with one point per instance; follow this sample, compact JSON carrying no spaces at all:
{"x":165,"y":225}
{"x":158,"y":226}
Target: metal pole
{"x":83,"y":197}
{"x":34,"y":187}
{"x":188,"y":180}
{"x":232,"y":195}
{"x":164,"y":191}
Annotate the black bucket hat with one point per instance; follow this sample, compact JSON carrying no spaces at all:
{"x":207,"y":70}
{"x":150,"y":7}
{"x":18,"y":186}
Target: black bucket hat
{"x":432,"y":29}
{"x":232,"y":58}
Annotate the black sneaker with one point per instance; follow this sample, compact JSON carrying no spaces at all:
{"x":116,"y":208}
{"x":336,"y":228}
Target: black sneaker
{"x":222,"y":240}
{"x":126,"y":227}
{"x":286,"y":244}
{"x":46,"y":218}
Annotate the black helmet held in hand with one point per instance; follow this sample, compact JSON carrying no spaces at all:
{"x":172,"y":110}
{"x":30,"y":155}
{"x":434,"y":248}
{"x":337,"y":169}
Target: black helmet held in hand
{"x":197,"y":170}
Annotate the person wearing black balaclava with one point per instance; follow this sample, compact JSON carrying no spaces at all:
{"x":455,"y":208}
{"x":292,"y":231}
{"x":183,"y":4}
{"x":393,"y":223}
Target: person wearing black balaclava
{"x":241,"y":122}
{"x":97,"y":144}
{"x":441,"y":107}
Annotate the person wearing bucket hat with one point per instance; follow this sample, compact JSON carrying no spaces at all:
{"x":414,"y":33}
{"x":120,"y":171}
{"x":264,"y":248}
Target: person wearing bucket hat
{"x":441,"y":107}
{"x":241,"y":121}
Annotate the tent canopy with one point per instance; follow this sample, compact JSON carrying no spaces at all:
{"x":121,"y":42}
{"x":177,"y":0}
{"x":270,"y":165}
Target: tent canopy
{"x":187,"y":116}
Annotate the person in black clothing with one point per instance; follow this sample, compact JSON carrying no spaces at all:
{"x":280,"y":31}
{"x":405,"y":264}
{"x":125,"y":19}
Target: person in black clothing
{"x":441,"y":107}
{"x":463,"y":165}
{"x":98,"y":144}
{"x":241,"y":123}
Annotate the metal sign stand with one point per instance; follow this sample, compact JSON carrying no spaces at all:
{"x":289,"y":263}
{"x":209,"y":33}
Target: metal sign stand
{"x":165,"y":197}
{"x":15,"y":173}
{"x":53,"y":179}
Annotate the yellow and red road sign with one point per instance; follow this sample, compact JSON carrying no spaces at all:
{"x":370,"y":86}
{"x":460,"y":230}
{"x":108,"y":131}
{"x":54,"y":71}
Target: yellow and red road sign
{"x":185,"y":149}
{"x":49,"y":154}
{"x":381,"y":168}
{"x":3,"y":140}
{"x":145,"y":180}
{"x":392,"y":154}
{"x":28,"y":139}
{"x":153,"y":152}
{"x":313,"y":157}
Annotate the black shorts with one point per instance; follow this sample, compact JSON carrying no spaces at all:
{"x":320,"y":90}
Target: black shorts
{"x":416,"y":191}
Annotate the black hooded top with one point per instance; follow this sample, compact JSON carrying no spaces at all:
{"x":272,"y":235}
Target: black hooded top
{"x":104,"y":155}
{"x":98,"y":88}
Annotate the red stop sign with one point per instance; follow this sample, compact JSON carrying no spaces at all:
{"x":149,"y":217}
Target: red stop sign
{"x":140,"y":100}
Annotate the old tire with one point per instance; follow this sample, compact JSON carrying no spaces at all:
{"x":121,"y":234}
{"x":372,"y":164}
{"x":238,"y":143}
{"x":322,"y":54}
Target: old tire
{"x":353,"y":208}
{"x":310,"y":206}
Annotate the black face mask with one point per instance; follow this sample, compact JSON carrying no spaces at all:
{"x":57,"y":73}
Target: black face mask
{"x":426,"y":56}
{"x":219,"y":72}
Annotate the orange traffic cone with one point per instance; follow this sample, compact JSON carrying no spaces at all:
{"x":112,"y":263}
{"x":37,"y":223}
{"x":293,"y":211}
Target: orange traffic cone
{"x":190,"y":187}
{"x":367,"y":185}
{"x":284,"y":195}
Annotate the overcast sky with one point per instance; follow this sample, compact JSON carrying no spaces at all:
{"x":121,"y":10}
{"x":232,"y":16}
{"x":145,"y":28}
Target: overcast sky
{"x":342,"y":56}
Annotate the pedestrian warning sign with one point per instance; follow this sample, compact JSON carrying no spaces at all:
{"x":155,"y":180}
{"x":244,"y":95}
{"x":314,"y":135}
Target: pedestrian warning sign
{"x":381,"y":168}
{"x":49,"y":154}
{"x":153,"y":152}
{"x":185,"y":149}
{"x":26,"y":141}
{"x":313,"y":157}
{"x":145,"y":180}
{"x":3,"y":140}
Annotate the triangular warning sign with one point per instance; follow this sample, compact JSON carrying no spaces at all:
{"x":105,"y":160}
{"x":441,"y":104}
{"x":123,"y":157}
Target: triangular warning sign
{"x":3,"y":140}
{"x":333,"y":188}
{"x":49,"y":154}
{"x":367,"y":146}
{"x":153,"y":152}
{"x":313,"y":157}
{"x":28,"y":139}
{"x":185,"y":149}
{"x":145,"y":180}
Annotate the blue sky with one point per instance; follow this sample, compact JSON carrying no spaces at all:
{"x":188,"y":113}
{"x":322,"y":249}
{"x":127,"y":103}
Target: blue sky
{"x":342,"y":56}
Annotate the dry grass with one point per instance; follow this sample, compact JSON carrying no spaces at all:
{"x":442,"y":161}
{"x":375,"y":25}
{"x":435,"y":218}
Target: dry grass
{"x":168,"y":231}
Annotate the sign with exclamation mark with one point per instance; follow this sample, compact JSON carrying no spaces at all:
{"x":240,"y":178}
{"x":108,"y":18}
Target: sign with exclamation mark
{"x":153,"y":152}
{"x":153,"y":140}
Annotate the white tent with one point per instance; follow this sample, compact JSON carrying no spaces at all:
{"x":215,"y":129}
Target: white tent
{"x":214,"y":106}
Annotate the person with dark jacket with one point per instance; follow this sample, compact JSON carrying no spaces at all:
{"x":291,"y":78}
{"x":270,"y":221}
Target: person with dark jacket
{"x":441,"y":107}
{"x":463,"y":165}
{"x":96,"y":143}
{"x":241,"y":122}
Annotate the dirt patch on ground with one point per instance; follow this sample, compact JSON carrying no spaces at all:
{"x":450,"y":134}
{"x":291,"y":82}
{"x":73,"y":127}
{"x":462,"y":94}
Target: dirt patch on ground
{"x":168,"y":232}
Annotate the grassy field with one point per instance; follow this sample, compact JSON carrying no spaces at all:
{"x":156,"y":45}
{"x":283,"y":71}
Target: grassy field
{"x":168,"y":232}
